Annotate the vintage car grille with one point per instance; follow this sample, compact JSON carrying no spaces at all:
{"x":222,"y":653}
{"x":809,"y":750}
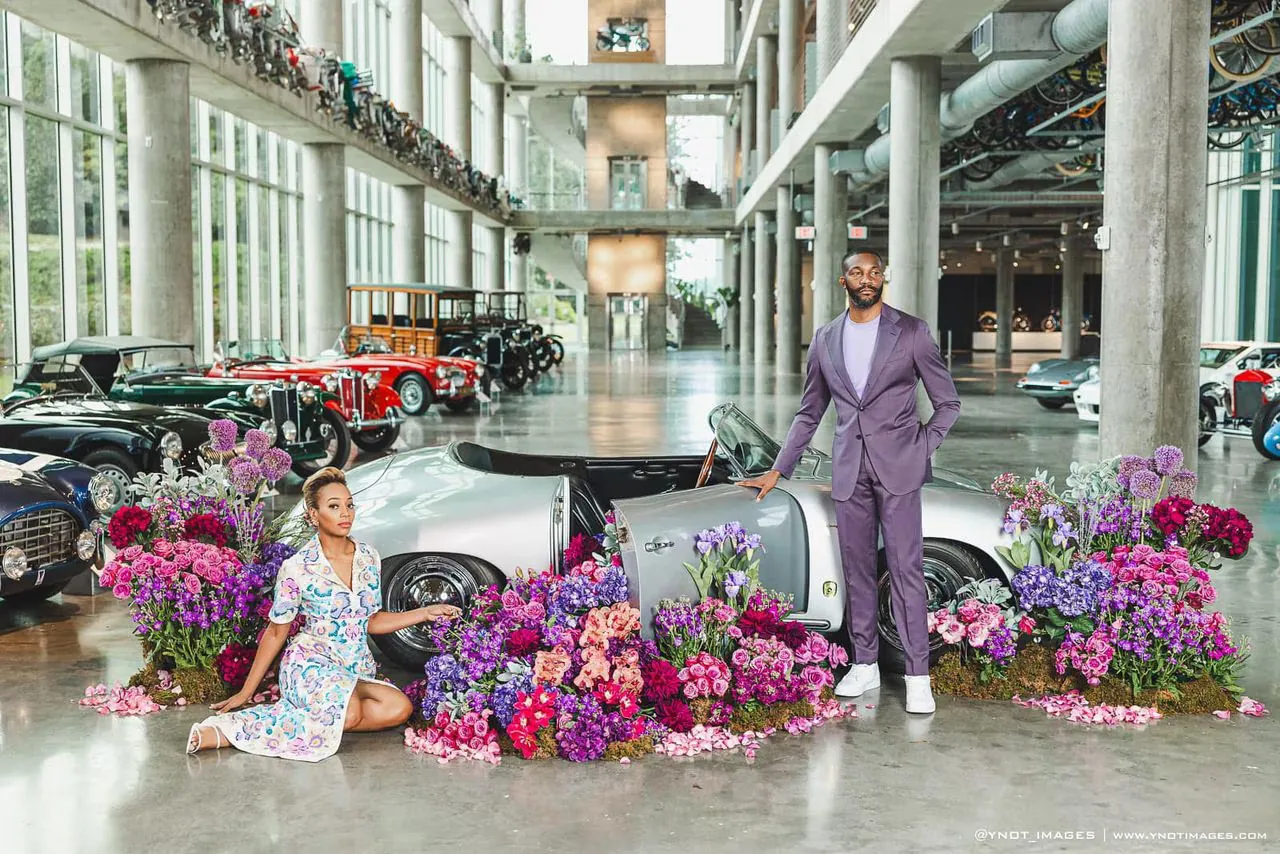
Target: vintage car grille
{"x":45,"y":536}
{"x":493,"y":349}
{"x":284,"y":405}
{"x":457,"y":378}
{"x":351,"y":390}
{"x":1248,"y":399}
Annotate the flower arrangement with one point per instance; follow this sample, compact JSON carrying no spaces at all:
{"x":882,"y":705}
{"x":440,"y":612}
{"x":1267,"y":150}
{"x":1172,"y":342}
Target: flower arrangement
{"x":557,"y":666}
{"x":196,"y":563}
{"x":726,"y":563}
{"x":1113,"y":574}
{"x":979,"y":622}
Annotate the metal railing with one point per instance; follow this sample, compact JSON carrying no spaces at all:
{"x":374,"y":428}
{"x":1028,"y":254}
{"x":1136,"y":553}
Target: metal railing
{"x":570,"y":201}
{"x":859,"y":12}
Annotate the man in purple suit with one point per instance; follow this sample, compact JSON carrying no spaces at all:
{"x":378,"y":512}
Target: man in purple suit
{"x":868,"y":361}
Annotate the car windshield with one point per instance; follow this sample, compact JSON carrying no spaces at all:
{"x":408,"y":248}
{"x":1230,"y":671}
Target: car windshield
{"x":456,"y":308}
{"x":261,"y":348}
{"x":157,"y":359}
{"x":742,"y":440}
{"x":1216,"y":357}
{"x":59,"y":376}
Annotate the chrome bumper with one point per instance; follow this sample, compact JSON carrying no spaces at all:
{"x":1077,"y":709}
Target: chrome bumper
{"x":393,"y":418}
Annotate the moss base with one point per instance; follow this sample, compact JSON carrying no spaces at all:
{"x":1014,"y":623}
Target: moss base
{"x":1031,"y":674}
{"x":198,"y":686}
{"x":756,"y":718}
{"x":633,"y":749}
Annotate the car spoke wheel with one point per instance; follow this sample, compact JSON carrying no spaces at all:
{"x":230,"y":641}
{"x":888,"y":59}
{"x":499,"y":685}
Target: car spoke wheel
{"x":421,"y":581}
{"x":414,"y":396}
{"x":947,"y":568}
{"x":557,"y":351}
{"x":117,"y":468}
{"x":337,"y":445}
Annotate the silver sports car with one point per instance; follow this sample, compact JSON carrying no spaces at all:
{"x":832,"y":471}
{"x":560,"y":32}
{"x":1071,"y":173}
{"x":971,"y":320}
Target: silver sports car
{"x":1052,"y":382}
{"x":450,"y":521}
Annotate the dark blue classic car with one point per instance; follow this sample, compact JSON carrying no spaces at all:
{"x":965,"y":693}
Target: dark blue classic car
{"x":45,"y":512}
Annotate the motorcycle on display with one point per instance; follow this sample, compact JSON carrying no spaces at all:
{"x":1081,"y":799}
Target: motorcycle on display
{"x":622,"y":36}
{"x":1021,"y":323}
{"x":1052,"y":321}
{"x":552,"y":344}
{"x":987,"y":321}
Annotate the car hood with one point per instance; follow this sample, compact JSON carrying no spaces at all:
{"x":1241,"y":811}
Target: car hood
{"x":1054,"y":370}
{"x":193,"y":381}
{"x":99,"y":412}
{"x":20,"y":486}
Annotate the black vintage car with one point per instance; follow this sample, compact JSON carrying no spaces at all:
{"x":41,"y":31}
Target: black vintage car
{"x":45,"y":513}
{"x":70,"y":418}
{"x":164,"y":373}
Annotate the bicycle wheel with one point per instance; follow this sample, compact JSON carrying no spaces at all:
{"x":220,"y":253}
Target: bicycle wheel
{"x":1264,"y":38}
{"x":1057,"y":91}
{"x":1236,"y":61}
{"x":1227,"y":140}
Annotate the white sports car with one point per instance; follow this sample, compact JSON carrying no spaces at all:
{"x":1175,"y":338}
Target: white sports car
{"x":1088,"y":400}
{"x":450,"y":521}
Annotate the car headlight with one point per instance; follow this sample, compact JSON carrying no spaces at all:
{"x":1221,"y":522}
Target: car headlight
{"x":442,"y":371}
{"x":1271,"y":391}
{"x":15,"y":562}
{"x":86,"y":545}
{"x":1092,"y":373}
{"x":372,"y":379}
{"x":269,"y":427}
{"x":290,"y":431}
{"x":307,"y":393}
{"x":1081,"y":377}
{"x":104,"y":493}
{"x":1035,"y":368}
{"x":171,"y":445}
{"x":258,"y":395}
{"x":479,"y":370}
{"x":330,"y":383}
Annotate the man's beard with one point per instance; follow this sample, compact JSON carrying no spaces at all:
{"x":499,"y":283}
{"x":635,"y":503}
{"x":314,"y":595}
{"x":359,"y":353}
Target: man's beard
{"x":859,"y":300}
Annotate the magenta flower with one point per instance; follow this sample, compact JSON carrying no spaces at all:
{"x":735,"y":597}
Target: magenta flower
{"x":222,"y":435}
{"x":276,"y":464}
{"x":256,"y":443}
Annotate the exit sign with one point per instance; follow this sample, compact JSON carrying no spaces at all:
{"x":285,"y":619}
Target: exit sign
{"x":857,"y":232}
{"x":805,"y":232}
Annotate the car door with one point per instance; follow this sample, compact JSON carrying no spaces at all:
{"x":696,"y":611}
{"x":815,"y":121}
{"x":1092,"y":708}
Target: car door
{"x":657,"y":536}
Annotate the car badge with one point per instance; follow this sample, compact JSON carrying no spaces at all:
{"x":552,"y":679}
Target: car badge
{"x":829,"y":589}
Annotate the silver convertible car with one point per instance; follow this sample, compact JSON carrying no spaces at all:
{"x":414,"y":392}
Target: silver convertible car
{"x":450,"y":521}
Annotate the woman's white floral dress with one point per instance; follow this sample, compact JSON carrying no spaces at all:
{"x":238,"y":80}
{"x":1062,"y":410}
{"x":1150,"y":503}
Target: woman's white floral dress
{"x":321,"y":664}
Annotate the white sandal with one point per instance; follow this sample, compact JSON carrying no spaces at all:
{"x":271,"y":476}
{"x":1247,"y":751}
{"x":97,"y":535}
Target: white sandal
{"x":194,"y":738}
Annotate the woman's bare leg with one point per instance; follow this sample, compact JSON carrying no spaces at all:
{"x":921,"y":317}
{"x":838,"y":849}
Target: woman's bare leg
{"x":376,"y":707}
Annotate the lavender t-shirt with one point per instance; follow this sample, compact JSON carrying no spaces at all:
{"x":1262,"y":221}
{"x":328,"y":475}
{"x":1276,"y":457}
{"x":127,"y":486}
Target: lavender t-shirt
{"x":859,"y":345}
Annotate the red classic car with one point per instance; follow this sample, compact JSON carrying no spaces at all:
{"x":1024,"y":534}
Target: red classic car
{"x":418,"y":380}
{"x":370,"y":410}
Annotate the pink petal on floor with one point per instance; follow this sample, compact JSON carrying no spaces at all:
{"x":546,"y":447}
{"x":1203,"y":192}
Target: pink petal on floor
{"x":1224,"y":715}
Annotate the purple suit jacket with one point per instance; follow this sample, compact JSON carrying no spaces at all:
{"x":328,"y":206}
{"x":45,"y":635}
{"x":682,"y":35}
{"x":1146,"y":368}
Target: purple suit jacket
{"x":884,"y":420}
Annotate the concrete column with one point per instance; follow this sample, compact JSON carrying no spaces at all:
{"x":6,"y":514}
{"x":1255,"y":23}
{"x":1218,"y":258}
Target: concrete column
{"x":519,"y":179}
{"x":729,"y":338}
{"x":495,"y":133}
{"x":747,"y":128}
{"x":513,"y":28}
{"x":788,"y":36}
{"x":787,"y":352}
{"x":763,"y":320}
{"x":832,"y":34}
{"x":1004,"y":303}
{"x":746,"y":297}
{"x":766,"y":74}
{"x":914,"y":88}
{"x":490,"y":16}
{"x":457,"y":133}
{"x":324,"y":243}
{"x":830,"y":194}
{"x":320,"y":21}
{"x":1072,"y":297}
{"x":158,"y":98}
{"x":408,"y":203}
{"x":1153,"y":272}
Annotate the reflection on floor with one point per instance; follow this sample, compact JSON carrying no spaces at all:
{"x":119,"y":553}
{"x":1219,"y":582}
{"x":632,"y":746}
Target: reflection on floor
{"x":73,"y":781}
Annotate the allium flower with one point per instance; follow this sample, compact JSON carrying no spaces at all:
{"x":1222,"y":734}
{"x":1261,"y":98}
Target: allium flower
{"x":1168,"y":460}
{"x":256,"y":443}
{"x":1130,"y":465}
{"x":245,"y":475}
{"x":222,"y":435}
{"x":1183,"y":485}
{"x":1145,"y":484}
{"x":276,"y":463}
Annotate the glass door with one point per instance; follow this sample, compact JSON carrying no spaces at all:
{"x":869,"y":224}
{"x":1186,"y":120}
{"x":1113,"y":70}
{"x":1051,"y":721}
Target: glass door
{"x":627,"y":321}
{"x":627,"y":181}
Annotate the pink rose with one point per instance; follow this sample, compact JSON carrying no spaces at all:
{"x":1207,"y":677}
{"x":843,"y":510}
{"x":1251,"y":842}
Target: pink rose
{"x":121,"y":591}
{"x":131,"y":553}
{"x":837,"y":656}
{"x":704,"y":686}
{"x":124,"y":575}
{"x":952,"y":631}
{"x":163,"y":548}
{"x":690,"y":690}
{"x":698,"y":671}
{"x":192,"y":583}
{"x":1026,"y":624}
{"x":107,"y":578}
{"x":167,"y":570}
{"x":978,"y":634}
{"x":969,"y":610}
{"x":720,"y":687}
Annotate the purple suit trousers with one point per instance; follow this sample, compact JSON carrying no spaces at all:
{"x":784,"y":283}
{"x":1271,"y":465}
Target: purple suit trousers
{"x":880,"y":461}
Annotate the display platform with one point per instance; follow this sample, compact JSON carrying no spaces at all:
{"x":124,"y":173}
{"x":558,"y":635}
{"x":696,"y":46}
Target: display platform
{"x":1023,"y":342}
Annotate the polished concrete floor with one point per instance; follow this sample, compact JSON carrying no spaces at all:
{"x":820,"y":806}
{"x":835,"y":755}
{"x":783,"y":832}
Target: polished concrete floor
{"x":72,"y":781}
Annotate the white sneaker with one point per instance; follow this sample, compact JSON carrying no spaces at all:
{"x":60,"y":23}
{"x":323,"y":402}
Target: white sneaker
{"x":859,"y":680}
{"x":919,"y":696}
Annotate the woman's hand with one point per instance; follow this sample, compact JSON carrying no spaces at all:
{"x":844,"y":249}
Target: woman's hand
{"x":431,"y":613}
{"x":232,"y":703}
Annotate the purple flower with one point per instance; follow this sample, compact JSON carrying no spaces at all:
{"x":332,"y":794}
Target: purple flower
{"x":1145,"y":484}
{"x":245,"y":475}
{"x":1129,"y":465}
{"x":733,"y":582}
{"x":1035,"y":587}
{"x":1183,"y":485}
{"x":276,"y":464}
{"x":1015,"y":521}
{"x":222,"y":435}
{"x":256,"y":443}
{"x":1168,"y":460}
{"x":1063,"y":534}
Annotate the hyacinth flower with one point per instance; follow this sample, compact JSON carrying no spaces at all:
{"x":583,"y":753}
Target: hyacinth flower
{"x":726,"y":562}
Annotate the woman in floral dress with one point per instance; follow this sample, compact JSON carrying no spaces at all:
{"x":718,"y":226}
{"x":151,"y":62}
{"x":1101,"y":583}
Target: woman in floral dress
{"x":328,"y":682}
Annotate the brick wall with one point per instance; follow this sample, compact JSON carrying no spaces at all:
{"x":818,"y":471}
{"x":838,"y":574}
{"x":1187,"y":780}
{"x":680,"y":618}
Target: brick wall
{"x":626,"y":126}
